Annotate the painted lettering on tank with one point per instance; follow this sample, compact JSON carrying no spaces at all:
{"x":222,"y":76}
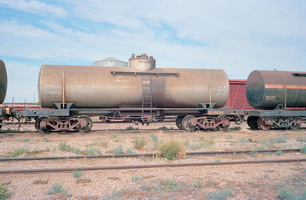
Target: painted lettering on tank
{"x":270,"y":98}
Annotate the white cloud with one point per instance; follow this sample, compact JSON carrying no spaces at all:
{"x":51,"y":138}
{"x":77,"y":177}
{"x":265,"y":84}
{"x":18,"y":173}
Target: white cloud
{"x":34,"y":6}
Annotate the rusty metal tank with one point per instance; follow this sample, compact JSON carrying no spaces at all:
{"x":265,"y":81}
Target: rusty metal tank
{"x":3,"y":81}
{"x":109,"y":87}
{"x":268,"y":89}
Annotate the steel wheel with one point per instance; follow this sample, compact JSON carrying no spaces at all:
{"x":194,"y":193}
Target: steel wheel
{"x":187,"y":125}
{"x":297,"y":124}
{"x":252,"y":122}
{"x":225,"y":123}
{"x":179,"y":121}
{"x":85,"y":127}
{"x":44,"y":129}
{"x":262,"y":123}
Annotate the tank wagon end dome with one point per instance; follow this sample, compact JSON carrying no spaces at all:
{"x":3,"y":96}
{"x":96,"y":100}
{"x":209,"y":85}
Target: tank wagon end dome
{"x":3,"y":81}
{"x":142,"y":62}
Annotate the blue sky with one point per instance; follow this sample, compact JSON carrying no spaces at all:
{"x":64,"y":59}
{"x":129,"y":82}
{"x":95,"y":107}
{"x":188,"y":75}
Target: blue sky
{"x":235,"y":35}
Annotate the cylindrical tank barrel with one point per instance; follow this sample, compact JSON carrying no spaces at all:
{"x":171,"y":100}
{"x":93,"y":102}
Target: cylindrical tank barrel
{"x":268,"y":89}
{"x":3,"y":81}
{"x":109,"y":87}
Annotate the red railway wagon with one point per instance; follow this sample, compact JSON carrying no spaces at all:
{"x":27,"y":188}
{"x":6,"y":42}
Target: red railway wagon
{"x":237,"y":95}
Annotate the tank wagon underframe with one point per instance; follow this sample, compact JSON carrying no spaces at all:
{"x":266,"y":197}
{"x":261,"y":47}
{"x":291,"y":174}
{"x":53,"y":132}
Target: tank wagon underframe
{"x":190,"y":119}
{"x":267,"y":119}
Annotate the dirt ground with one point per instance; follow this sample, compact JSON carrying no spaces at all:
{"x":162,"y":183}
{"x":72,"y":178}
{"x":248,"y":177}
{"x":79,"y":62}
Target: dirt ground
{"x":256,"y":181}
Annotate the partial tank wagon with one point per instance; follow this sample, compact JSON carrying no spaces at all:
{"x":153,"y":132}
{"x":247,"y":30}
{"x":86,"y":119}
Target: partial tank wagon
{"x":272,"y":92}
{"x":3,"y":81}
{"x":269,"y":89}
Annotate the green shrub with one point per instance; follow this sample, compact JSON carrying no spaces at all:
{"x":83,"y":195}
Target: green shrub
{"x":17,"y":152}
{"x":63,"y":146}
{"x":140,"y":143}
{"x":290,"y":194}
{"x":303,"y":150}
{"x":165,"y":128}
{"x":137,"y":178}
{"x":279,"y":152}
{"x":117,"y":151}
{"x":4,"y":194}
{"x":301,"y":139}
{"x":92,"y":151}
{"x":172,"y":150}
{"x":26,"y":140}
{"x":131,"y":128}
{"x":220,"y":195}
{"x":154,"y":139}
{"x":235,"y":128}
{"x":77,"y":174}
{"x":57,"y":188}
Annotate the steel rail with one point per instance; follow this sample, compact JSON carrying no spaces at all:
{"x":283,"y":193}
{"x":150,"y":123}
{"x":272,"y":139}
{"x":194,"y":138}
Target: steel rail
{"x":124,"y":167}
{"x":146,"y":155}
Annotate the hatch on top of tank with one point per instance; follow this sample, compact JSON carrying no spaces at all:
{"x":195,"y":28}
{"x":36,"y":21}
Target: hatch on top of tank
{"x":142,"y":62}
{"x":110,"y":62}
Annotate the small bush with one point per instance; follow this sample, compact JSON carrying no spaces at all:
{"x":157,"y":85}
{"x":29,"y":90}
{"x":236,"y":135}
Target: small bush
{"x":26,"y":140}
{"x":172,"y":150}
{"x":4,"y":194}
{"x":303,"y":150}
{"x":279,"y":152}
{"x":301,"y":139}
{"x":92,"y":151}
{"x":154,"y":139}
{"x":117,"y":151}
{"x":140,"y":143}
{"x":17,"y":152}
{"x":290,"y":194}
{"x":235,"y":128}
{"x":172,"y":184}
{"x":46,"y":140}
{"x":63,"y":146}
{"x":137,"y":178}
{"x":144,"y":187}
{"x":220,"y":195}
{"x":57,"y":188}
{"x":131,"y":128}
{"x":165,"y":128}
{"x":77,"y":174}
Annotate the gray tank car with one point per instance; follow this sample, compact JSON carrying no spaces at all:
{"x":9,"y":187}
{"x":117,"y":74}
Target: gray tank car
{"x":3,"y":81}
{"x":140,"y":83}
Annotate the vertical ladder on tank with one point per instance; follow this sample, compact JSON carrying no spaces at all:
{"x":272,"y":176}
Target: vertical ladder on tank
{"x":147,"y":96}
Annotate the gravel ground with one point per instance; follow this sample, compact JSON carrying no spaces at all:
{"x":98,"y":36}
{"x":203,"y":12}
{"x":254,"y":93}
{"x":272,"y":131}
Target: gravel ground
{"x":257,"y":181}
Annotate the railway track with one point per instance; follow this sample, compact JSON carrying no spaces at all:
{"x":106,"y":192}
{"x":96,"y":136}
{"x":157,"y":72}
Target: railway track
{"x":124,"y":167}
{"x":148,"y":155}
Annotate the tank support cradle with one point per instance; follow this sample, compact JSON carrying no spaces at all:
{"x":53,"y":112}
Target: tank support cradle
{"x":48,"y":124}
{"x":205,"y":122}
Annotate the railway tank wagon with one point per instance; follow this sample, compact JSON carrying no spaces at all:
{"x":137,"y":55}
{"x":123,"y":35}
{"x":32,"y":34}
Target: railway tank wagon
{"x":140,"y":88}
{"x":3,"y":88}
{"x":3,"y":81}
{"x":273,"y":92}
